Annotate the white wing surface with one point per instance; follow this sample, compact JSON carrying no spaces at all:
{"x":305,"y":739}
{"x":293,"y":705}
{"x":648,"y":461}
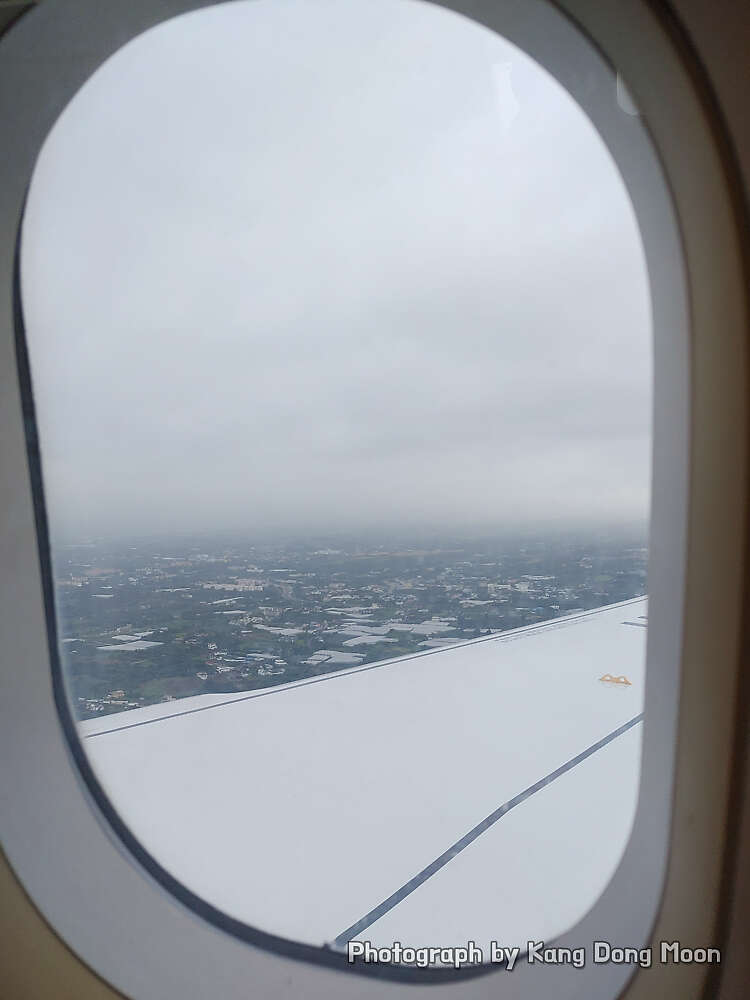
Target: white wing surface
{"x":483,"y":791}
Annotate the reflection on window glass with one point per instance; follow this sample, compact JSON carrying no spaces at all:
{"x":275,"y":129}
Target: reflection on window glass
{"x":339,"y":330}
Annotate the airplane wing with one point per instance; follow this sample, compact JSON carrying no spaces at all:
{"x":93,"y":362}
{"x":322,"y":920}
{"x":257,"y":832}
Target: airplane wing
{"x":483,"y":791}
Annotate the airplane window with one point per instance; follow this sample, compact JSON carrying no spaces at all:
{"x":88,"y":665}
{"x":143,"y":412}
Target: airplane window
{"x":339,"y":331}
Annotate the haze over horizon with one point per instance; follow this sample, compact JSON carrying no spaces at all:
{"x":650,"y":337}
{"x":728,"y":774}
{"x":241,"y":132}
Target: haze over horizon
{"x":333,"y":267}
{"x":442,"y":536}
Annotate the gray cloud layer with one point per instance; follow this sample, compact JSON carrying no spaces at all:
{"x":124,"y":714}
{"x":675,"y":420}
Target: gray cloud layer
{"x":290,"y":264}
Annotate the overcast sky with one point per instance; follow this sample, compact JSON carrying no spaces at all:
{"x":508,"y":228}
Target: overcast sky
{"x":305,"y":265}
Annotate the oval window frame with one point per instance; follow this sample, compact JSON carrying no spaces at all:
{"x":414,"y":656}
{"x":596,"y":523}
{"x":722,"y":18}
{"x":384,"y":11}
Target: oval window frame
{"x":698,"y":237}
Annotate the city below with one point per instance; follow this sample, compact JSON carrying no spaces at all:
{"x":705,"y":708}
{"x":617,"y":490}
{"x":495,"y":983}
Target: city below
{"x":148,"y":621}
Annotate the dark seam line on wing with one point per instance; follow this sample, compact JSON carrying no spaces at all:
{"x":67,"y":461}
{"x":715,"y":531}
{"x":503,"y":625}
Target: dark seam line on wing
{"x":375,"y":914}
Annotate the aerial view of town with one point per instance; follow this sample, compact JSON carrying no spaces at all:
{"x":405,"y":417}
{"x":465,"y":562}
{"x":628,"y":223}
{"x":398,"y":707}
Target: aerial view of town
{"x":141,"y":622}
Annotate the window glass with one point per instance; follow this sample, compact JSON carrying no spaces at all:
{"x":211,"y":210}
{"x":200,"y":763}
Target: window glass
{"x":339,"y":331}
